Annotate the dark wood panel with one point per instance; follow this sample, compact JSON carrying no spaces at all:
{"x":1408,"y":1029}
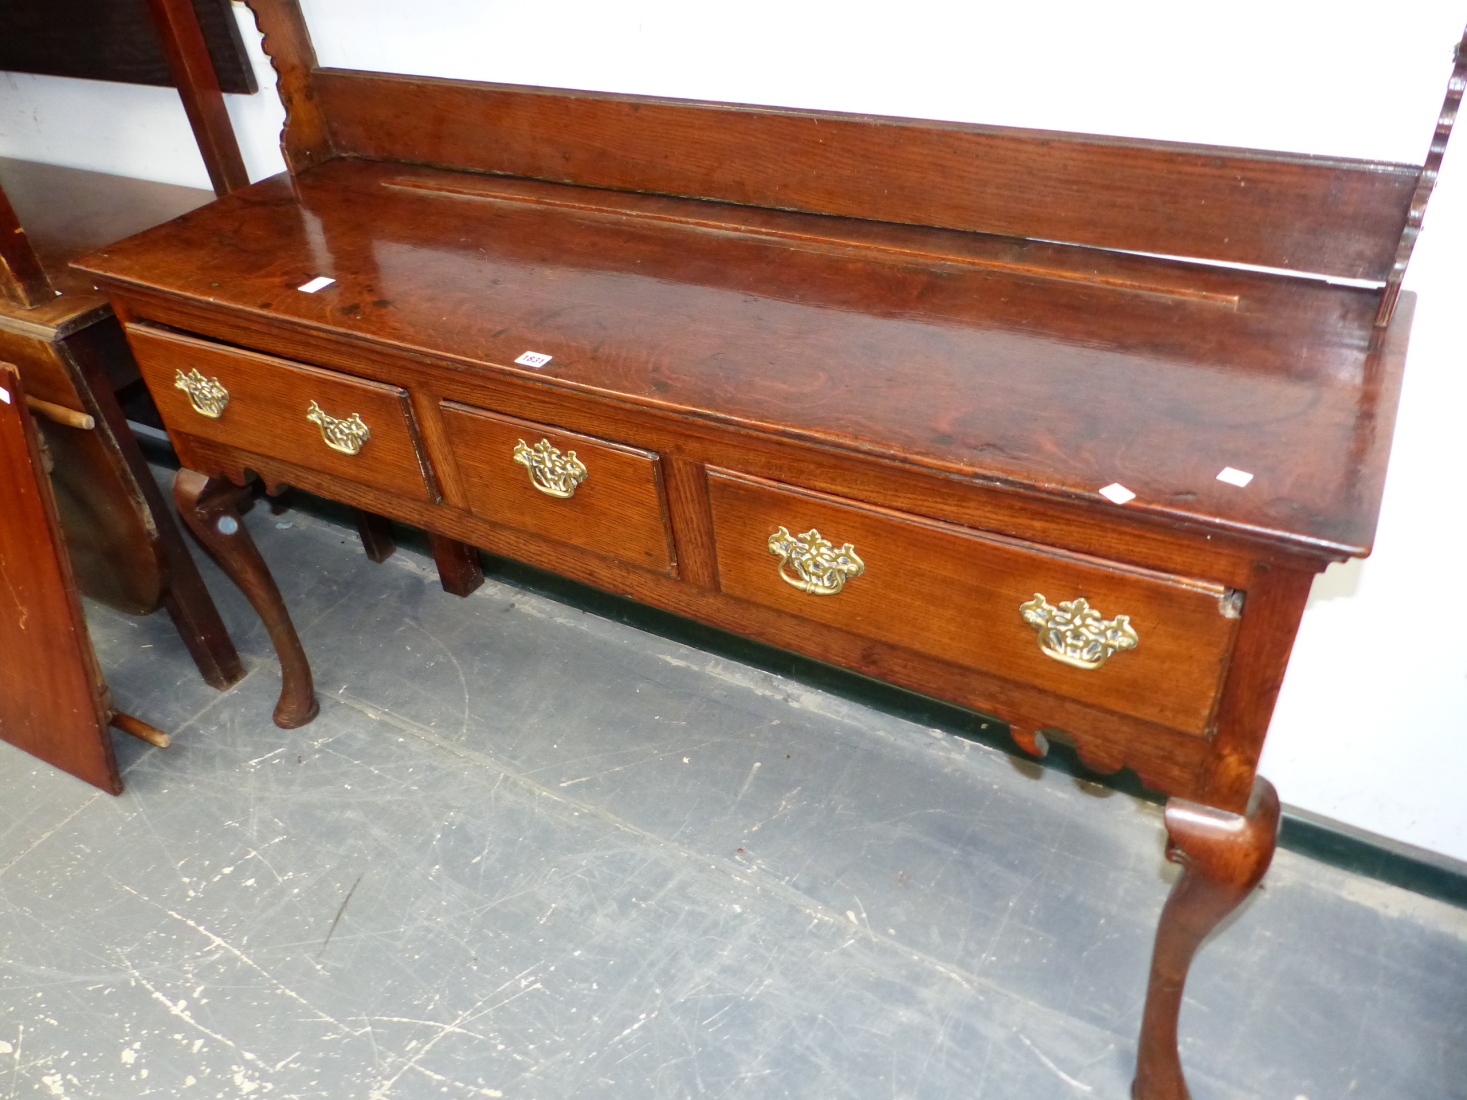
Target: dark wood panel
{"x":1051,"y":387}
{"x":50,"y":687}
{"x":113,"y":40}
{"x":1337,"y":217}
{"x":69,"y":211}
{"x":1127,"y":536}
{"x":267,"y":404}
{"x":957,"y":595}
{"x":615,"y":509}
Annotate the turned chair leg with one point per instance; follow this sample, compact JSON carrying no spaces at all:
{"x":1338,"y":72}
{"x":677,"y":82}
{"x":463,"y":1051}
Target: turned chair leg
{"x":210,"y":509}
{"x":1223,"y":857}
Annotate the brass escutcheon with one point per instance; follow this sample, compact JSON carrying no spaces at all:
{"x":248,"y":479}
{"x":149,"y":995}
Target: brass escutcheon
{"x":206,"y":395}
{"x":820,"y":569}
{"x":346,"y":436}
{"x":1075,"y":633}
{"x":553,"y":473}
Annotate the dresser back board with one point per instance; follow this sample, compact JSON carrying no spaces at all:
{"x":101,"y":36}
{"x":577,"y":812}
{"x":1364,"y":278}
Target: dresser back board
{"x":1335,"y":217}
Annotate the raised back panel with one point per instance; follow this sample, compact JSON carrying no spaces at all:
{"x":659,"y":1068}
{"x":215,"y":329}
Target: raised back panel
{"x":1328,"y":216}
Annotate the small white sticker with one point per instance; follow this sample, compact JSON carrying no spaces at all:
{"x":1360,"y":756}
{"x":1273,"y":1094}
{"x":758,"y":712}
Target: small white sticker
{"x":1235,"y":477}
{"x":320,"y":282}
{"x":1117,"y":492}
{"x":536,"y":359}
{"x":4,"y":395}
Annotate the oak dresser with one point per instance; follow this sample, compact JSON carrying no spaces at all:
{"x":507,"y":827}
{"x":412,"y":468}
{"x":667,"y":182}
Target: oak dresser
{"x":897,"y":395}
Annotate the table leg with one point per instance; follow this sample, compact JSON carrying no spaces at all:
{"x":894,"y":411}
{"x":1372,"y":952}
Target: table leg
{"x":1223,"y":857}
{"x":458,"y":565}
{"x":210,"y":509}
{"x":376,"y":535}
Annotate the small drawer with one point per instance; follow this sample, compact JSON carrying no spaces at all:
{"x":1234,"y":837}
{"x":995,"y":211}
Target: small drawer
{"x":358,"y":430}
{"x":1143,"y":644}
{"x":600,"y":496}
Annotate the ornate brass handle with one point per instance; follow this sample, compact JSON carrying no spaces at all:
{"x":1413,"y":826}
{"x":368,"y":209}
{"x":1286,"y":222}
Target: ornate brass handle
{"x":820,"y":569}
{"x":346,"y":436}
{"x":1075,"y":633}
{"x":206,"y":395}
{"x":553,"y":473}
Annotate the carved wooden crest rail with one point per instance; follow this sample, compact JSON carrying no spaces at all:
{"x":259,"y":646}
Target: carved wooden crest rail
{"x":827,"y":381}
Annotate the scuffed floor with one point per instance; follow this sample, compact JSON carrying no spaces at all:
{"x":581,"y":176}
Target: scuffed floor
{"x":531,"y":853}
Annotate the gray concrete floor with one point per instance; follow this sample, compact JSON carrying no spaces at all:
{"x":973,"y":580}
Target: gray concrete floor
{"x":532,"y":853}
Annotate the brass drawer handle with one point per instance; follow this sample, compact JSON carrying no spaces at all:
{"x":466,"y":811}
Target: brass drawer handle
{"x":553,"y":473}
{"x":1075,"y":633}
{"x":820,"y":569}
{"x":346,"y":436}
{"x":206,"y":395}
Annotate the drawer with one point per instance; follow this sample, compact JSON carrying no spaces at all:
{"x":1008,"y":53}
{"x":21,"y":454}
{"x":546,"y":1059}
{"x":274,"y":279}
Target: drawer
{"x":1144,"y":644}
{"x":358,"y":430}
{"x":600,"y":496}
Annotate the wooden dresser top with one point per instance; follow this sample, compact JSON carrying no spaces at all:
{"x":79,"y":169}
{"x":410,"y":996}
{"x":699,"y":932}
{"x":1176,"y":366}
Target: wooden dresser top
{"x":1047,"y":368}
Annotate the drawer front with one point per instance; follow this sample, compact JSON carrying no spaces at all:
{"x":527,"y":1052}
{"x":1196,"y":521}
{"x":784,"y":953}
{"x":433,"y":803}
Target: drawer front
{"x":358,"y":430}
{"x":1142,"y":644}
{"x":600,"y":496}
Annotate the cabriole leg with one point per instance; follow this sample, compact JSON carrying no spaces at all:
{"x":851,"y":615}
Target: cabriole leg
{"x":1223,"y":857}
{"x":210,"y":509}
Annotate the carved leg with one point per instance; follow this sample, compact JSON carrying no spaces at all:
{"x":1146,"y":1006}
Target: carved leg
{"x":458,"y":565}
{"x":209,"y":506}
{"x":376,"y":534}
{"x":1223,"y":857}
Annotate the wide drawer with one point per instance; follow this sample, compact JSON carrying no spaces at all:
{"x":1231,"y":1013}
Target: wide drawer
{"x":1141,"y":643}
{"x":362,"y":431}
{"x":600,"y":496}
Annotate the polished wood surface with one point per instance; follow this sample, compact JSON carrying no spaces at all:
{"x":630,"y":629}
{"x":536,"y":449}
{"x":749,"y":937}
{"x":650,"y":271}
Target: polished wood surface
{"x":1333,"y":216}
{"x":67,"y":212}
{"x":754,"y":324}
{"x":617,"y":510}
{"x":269,"y":401}
{"x":51,"y":691}
{"x":1223,"y":857}
{"x":1046,"y":386}
{"x":952,"y":593}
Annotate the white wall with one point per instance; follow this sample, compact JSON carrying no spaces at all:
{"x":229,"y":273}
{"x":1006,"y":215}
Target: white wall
{"x":1370,"y":726}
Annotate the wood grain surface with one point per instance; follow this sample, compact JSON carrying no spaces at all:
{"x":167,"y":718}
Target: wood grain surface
{"x":268,"y":403}
{"x":51,"y":690}
{"x":618,"y":509}
{"x":955,"y":594}
{"x":1051,"y":386}
{"x":1333,"y":216}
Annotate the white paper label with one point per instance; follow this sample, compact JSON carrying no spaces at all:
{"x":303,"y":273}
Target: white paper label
{"x":1235,"y":477}
{"x":1117,"y":493}
{"x":4,"y":395}
{"x":318,"y":283}
{"x":536,"y":359}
